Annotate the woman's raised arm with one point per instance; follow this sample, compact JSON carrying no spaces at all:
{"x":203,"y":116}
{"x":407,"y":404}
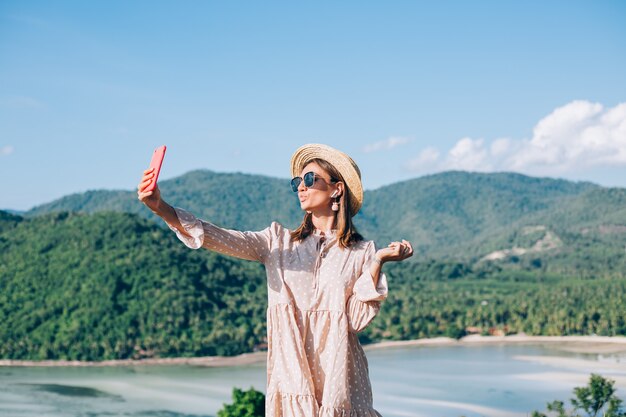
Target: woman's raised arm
{"x":196,"y":233}
{"x":152,"y":200}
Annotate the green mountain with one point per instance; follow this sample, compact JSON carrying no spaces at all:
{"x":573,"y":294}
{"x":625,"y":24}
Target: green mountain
{"x":458,"y":212}
{"x":96,"y":276}
{"x":447,"y":215}
{"x":113,"y":285}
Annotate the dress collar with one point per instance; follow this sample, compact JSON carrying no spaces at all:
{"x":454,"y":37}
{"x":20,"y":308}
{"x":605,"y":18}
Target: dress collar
{"x":327,"y":233}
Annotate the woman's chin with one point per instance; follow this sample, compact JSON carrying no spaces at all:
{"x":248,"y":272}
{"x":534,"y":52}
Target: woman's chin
{"x":309,"y":208}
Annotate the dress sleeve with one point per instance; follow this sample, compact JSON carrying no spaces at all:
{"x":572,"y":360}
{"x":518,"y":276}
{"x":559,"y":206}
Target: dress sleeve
{"x":253,"y":246}
{"x":364,"y":303}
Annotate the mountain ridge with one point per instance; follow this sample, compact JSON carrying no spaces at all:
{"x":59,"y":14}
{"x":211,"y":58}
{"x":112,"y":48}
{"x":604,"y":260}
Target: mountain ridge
{"x":442,"y":214}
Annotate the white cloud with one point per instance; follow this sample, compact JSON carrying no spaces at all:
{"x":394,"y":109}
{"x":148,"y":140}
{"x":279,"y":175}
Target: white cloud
{"x":426,"y":159}
{"x":6,"y":150}
{"x":501,"y":146}
{"x":389,"y":143}
{"x":468,"y":155}
{"x":576,"y":136}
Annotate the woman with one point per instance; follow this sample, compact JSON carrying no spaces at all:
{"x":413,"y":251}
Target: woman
{"x":324,"y":286}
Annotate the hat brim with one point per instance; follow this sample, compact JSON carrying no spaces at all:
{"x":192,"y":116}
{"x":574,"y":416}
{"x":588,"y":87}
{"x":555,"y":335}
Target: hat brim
{"x":342,"y":162}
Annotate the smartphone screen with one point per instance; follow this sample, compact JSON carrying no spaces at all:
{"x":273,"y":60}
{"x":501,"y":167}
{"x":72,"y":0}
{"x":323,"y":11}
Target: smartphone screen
{"x":156,"y":162}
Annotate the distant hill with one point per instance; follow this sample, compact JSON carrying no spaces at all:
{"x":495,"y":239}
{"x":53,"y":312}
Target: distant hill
{"x":451,"y":214}
{"x":458,"y":212}
{"x":15,"y":212}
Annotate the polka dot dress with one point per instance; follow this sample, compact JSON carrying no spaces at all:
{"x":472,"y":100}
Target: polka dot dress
{"x":319,"y":297}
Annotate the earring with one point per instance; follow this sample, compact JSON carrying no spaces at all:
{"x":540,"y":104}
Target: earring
{"x":335,"y":206}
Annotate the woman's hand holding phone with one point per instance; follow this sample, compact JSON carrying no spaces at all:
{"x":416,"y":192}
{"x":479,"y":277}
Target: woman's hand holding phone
{"x":149,"y":198}
{"x":147,"y":191}
{"x":149,"y":194}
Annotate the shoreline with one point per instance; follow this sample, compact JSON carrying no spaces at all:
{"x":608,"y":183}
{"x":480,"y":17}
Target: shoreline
{"x":576,"y":344}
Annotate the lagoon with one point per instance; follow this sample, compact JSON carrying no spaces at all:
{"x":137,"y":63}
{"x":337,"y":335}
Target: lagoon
{"x":506,"y":380}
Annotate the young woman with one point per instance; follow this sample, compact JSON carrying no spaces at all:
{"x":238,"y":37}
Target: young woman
{"x":324,"y":285}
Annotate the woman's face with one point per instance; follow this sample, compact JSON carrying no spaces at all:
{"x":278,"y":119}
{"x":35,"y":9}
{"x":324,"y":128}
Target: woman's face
{"x":317,"y":198}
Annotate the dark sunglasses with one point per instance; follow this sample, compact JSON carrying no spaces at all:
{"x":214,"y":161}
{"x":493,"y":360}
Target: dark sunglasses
{"x":309,"y":179}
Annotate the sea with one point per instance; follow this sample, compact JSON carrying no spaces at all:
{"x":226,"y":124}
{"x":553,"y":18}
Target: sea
{"x":503,"y":380}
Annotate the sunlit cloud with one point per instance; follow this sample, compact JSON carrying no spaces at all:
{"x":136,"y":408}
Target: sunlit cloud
{"x":576,"y":136}
{"x":389,"y":143}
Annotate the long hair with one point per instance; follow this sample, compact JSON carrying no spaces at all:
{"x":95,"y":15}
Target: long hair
{"x":346,"y":231}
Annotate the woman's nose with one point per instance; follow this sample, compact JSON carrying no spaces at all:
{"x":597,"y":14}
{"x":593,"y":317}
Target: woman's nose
{"x":301,"y":186}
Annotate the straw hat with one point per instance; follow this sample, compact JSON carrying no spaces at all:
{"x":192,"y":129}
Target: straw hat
{"x":342,"y":162}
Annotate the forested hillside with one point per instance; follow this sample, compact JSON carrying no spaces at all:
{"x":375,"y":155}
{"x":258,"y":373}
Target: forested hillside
{"x":114,"y":285}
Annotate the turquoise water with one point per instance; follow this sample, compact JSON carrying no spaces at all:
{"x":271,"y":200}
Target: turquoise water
{"x":448,"y":381}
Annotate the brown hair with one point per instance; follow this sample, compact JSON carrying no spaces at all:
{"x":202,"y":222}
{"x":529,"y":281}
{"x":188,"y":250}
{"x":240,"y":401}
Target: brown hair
{"x":346,"y":231}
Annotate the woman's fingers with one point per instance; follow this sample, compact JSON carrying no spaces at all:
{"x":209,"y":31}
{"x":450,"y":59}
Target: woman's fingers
{"x":409,"y":248}
{"x":146,"y":179}
{"x":401,"y":250}
{"x":144,"y":184}
{"x":397,"y":251}
{"x":142,"y":196}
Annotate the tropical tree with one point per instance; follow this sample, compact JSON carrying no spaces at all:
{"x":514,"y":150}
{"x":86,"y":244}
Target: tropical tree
{"x":596,"y":399}
{"x":249,"y":403}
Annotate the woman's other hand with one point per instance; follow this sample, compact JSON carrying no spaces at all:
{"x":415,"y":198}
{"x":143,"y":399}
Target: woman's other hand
{"x":151,"y":199}
{"x":396,"y":251}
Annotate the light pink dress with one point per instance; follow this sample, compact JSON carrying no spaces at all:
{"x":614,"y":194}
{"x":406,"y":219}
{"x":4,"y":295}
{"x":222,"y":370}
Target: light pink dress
{"x":319,"y":297}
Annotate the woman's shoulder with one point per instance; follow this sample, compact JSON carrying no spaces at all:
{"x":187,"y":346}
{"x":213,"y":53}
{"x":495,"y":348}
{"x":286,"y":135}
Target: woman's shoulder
{"x":277,"y":229}
{"x":362,"y":245}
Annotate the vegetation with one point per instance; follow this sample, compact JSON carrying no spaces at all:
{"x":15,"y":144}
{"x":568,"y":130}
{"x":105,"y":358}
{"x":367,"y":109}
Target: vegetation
{"x":433,"y":298}
{"x":495,"y":253}
{"x":249,"y":403}
{"x":113,"y":286}
{"x":596,"y":399}
{"x":110,"y":285}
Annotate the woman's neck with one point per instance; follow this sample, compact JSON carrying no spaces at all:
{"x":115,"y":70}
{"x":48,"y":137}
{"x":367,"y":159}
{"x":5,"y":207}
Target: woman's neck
{"x":323,"y":222}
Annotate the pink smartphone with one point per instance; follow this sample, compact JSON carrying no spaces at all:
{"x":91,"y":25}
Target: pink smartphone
{"x":157,"y":161}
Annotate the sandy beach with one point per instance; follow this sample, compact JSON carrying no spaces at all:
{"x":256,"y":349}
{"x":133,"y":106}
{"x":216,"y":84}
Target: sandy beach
{"x":576,"y":344}
{"x":216,"y":361}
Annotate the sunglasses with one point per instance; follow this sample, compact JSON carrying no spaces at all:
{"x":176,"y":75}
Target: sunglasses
{"x":308,"y":178}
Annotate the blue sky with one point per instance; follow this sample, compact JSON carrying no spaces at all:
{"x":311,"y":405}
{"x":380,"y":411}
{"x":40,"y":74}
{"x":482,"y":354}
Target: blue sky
{"x":89,"y":89}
